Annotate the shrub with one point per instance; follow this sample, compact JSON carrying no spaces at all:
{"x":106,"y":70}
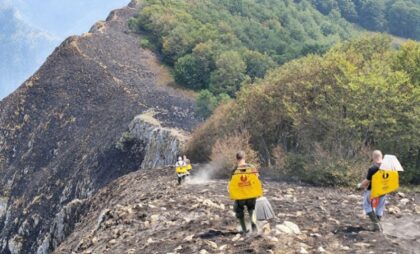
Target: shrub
{"x":145,"y":43}
{"x":225,"y":149}
{"x":207,"y":102}
{"x":324,"y":169}
{"x":125,"y":142}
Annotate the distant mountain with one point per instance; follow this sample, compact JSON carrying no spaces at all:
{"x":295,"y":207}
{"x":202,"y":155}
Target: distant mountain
{"x":31,"y":29}
{"x":65,"y":17}
{"x":22,"y":49}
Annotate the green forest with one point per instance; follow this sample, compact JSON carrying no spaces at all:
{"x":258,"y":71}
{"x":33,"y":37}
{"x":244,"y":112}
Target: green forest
{"x":217,"y":46}
{"x":397,"y":17}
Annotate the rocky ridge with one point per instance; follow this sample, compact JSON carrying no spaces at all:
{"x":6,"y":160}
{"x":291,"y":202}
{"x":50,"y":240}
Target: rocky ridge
{"x":162,"y":145}
{"x":60,"y":132}
{"x":147,"y":212}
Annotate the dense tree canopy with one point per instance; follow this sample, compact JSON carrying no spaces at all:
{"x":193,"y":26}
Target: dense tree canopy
{"x":323,"y":112}
{"x":221,"y":44}
{"x":398,"y":17}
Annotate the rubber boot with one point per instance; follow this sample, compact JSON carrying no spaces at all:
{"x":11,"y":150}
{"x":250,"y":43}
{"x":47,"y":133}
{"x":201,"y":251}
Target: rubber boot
{"x":243,"y":225}
{"x":379,"y":217}
{"x":253,"y":217}
{"x":375,"y":222}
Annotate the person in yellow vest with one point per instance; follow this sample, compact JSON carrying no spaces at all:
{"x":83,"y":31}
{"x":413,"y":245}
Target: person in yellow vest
{"x":187,"y":163}
{"x":181,"y":170}
{"x":375,"y":215}
{"x":244,"y":188}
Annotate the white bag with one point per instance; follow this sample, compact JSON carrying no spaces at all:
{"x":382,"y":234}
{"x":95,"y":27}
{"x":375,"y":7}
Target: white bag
{"x":263,"y":209}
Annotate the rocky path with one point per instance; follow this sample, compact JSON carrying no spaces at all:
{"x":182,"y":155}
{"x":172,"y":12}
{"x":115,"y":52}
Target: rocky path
{"x":146,"y":212}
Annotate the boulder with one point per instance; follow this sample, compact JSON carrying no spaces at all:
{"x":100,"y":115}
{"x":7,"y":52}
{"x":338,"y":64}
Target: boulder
{"x":288,"y":228}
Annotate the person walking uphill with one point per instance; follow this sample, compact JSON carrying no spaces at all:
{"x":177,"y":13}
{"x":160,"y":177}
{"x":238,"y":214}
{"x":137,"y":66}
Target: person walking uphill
{"x":244,"y":188}
{"x":181,"y":170}
{"x":369,"y":204}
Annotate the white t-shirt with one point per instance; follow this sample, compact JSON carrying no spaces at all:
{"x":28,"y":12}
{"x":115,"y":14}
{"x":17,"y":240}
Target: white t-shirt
{"x":180,"y":163}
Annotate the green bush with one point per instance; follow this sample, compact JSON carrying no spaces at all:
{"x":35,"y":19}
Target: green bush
{"x":125,"y":141}
{"x":145,"y":43}
{"x":207,"y":102}
{"x":324,"y":171}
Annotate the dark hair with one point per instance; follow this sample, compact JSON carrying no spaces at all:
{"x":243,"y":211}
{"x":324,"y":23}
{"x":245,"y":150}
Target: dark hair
{"x":240,"y":155}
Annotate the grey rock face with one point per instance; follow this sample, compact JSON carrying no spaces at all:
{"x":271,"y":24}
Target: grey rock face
{"x":3,"y":207}
{"x":65,"y":220}
{"x":162,"y":145}
{"x":15,"y":244}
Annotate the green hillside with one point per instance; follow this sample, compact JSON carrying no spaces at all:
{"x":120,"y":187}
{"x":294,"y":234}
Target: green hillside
{"x":220,"y":44}
{"x":216,"y":46}
{"x":319,"y":116}
{"x":397,"y":17}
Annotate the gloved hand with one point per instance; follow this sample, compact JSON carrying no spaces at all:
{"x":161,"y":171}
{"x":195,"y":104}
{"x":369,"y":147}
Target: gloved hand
{"x":359,"y":186}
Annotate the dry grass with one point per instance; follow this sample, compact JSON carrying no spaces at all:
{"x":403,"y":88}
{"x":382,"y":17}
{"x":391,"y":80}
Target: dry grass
{"x":165,"y":77}
{"x":204,"y":137}
{"x":225,"y":149}
{"x":279,"y":156}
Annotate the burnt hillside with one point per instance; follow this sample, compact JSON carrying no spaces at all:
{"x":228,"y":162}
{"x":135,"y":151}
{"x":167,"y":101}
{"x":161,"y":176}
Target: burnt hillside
{"x":147,"y":212}
{"x":59,"y":131}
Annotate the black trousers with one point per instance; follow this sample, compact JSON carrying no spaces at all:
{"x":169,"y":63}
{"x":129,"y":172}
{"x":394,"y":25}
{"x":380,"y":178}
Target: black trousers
{"x":239,"y":207}
{"x":181,"y":178}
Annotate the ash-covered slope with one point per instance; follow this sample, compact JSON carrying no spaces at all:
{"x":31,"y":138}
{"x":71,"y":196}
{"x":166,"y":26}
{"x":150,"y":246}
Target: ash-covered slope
{"x":147,"y":212}
{"x":65,"y":132}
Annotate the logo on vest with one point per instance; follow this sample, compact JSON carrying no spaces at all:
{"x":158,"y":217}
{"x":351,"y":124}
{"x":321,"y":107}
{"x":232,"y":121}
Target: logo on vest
{"x":385,"y":175}
{"x":244,"y":181}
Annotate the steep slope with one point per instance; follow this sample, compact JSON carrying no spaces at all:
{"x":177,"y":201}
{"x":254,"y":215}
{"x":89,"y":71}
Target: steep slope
{"x":147,"y":212}
{"x":65,"y":132}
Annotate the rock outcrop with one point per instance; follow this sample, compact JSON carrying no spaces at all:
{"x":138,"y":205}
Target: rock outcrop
{"x":162,"y":145}
{"x":59,"y":132}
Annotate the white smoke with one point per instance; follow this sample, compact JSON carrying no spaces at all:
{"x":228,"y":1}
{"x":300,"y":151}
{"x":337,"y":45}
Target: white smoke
{"x":203,"y":174}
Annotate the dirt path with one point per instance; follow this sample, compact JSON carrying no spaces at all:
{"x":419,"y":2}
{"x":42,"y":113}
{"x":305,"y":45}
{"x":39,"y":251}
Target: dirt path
{"x":146,"y":212}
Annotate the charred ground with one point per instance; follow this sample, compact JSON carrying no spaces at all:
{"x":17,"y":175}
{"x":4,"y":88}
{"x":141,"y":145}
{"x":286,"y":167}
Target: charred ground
{"x":147,"y":212}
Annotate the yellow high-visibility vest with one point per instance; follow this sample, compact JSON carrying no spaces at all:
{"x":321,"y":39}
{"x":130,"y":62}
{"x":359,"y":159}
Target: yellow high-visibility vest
{"x":384,"y":182}
{"x":245,"y":184}
{"x":181,"y":169}
{"x":189,"y":167}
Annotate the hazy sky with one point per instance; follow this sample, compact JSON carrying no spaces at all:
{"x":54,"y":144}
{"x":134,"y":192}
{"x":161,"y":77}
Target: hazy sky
{"x":57,"y":19}
{"x":65,"y":17}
